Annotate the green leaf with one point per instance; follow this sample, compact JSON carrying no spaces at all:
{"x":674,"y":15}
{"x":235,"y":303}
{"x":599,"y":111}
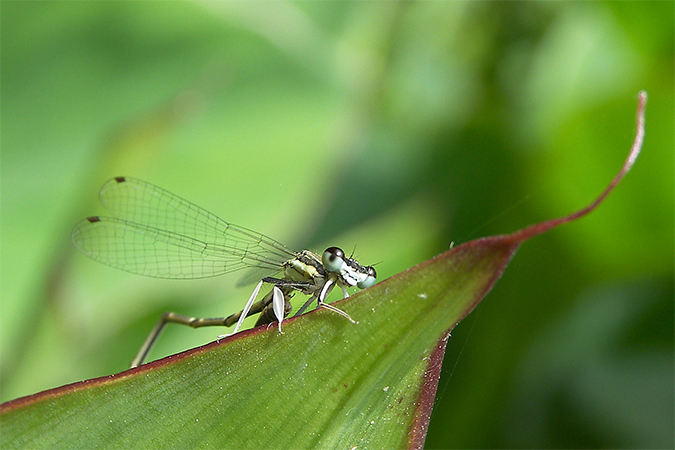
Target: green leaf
{"x":324,"y":383}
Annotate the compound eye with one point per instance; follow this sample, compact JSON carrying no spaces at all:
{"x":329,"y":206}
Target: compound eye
{"x":369,"y":280}
{"x":333,"y":259}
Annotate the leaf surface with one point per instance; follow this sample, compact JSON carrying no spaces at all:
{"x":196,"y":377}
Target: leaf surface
{"x":324,"y":383}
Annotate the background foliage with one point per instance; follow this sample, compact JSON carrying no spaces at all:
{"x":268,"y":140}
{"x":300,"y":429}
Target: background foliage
{"x":391,"y":128}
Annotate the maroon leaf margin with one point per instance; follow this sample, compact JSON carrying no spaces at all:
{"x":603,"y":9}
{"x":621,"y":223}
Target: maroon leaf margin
{"x":510,"y":243}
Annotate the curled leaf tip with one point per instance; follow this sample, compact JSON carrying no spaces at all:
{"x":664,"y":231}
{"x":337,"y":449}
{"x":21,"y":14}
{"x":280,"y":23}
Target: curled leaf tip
{"x":542,"y":227}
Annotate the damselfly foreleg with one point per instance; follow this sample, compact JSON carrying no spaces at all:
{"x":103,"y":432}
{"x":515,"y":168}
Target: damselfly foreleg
{"x":321,"y":297}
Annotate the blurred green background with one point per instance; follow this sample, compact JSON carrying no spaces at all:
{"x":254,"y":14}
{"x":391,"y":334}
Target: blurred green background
{"x":388,"y":128}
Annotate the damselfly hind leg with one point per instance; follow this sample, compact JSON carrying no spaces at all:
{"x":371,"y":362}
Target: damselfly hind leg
{"x":170,"y":317}
{"x":194,"y":322}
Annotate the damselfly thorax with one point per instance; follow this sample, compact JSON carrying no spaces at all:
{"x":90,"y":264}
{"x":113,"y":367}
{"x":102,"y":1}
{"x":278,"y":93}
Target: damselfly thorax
{"x":159,"y":234}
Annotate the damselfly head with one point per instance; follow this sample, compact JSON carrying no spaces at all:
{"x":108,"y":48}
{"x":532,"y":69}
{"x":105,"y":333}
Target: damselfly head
{"x":353,"y":273}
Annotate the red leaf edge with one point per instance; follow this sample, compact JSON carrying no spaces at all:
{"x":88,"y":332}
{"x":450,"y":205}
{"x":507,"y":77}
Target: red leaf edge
{"x":425,"y":405}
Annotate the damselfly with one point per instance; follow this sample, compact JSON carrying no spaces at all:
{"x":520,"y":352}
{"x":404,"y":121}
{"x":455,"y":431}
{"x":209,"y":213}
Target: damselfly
{"x":158,"y":234}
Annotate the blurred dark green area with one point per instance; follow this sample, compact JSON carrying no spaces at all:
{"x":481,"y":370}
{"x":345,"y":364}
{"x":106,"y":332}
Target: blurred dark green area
{"x":392,"y":129}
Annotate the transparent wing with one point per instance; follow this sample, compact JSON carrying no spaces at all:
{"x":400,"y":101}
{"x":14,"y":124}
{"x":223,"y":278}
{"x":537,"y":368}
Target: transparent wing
{"x":161,"y":235}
